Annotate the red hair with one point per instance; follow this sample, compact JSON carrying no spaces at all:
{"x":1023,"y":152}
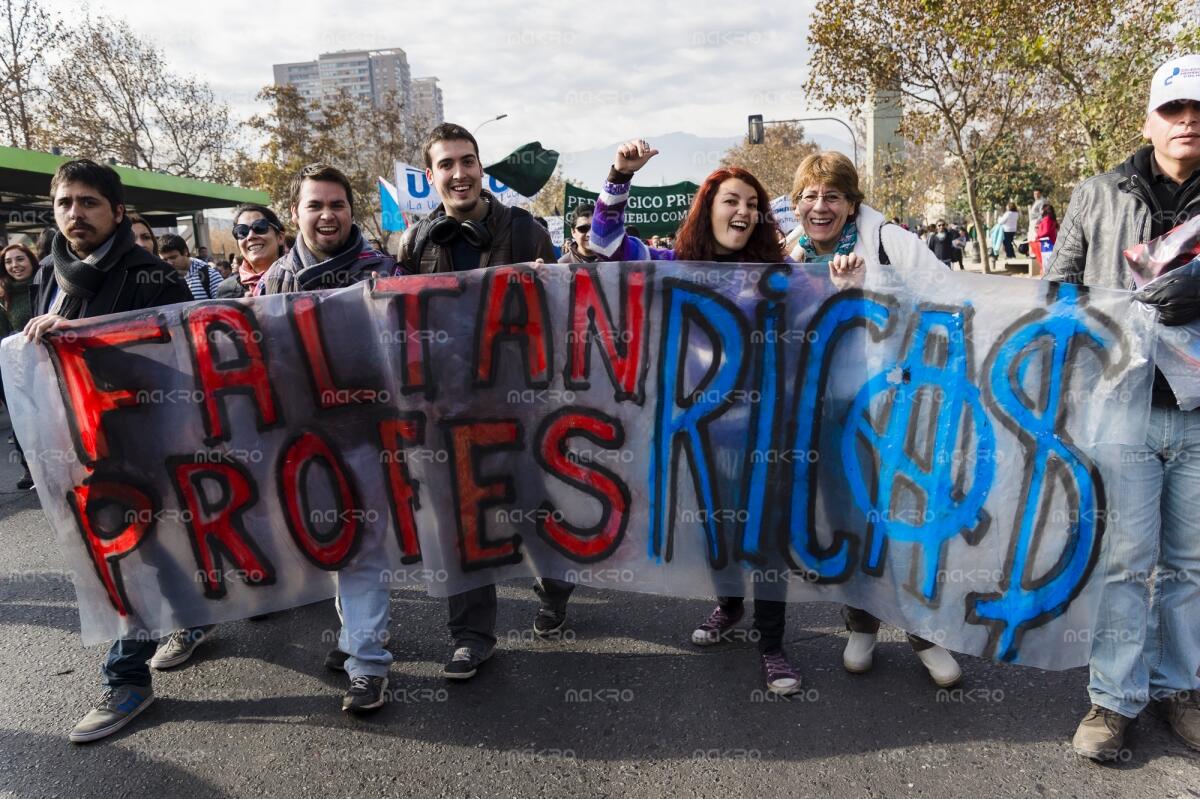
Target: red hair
{"x":695,"y":240}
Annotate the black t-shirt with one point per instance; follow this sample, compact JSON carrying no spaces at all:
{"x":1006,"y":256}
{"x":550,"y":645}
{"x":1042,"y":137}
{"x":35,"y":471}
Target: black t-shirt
{"x":463,"y":256}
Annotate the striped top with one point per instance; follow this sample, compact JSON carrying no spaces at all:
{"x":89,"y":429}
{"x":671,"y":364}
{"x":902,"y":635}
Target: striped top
{"x":198,"y":274}
{"x":608,"y":225}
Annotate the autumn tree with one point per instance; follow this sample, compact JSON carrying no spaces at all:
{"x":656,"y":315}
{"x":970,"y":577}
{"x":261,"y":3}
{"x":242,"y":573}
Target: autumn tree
{"x":549,"y":199}
{"x":113,"y":97}
{"x":774,"y":161}
{"x":1094,"y":59}
{"x":364,"y":142}
{"x":961,"y":83}
{"x":27,"y":33}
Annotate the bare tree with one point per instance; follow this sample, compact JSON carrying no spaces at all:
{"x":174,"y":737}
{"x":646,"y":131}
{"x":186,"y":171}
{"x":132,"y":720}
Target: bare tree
{"x":27,"y":32}
{"x":113,"y":97}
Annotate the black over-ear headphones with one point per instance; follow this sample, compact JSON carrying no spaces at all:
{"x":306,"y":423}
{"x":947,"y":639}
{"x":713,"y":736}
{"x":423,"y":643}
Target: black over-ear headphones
{"x":445,"y":229}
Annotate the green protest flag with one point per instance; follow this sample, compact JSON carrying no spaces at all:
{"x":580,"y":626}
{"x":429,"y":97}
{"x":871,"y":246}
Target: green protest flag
{"x":526,"y":169}
{"x":653,"y":210}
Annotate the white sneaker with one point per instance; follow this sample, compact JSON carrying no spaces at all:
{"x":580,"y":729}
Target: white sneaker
{"x":860,"y":653}
{"x":942,"y":667}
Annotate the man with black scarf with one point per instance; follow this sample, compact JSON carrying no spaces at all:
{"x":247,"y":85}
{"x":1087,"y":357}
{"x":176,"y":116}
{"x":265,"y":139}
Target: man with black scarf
{"x":95,"y":267}
{"x":330,"y":252}
{"x":1147,"y":643}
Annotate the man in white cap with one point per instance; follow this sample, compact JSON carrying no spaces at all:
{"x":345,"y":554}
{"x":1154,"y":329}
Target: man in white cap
{"x":1146,"y":644}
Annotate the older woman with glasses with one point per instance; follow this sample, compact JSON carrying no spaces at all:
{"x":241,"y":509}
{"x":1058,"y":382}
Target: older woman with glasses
{"x":838,"y":228}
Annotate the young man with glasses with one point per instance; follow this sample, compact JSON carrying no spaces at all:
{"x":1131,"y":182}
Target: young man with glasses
{"x":1146,"y":643}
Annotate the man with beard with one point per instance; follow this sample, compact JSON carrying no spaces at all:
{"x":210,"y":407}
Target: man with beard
{"x":96,"y":267}
{"x":471,"y":229}
{"x":331,"y":252}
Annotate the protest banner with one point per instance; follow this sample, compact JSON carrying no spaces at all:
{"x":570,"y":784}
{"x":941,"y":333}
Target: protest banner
{"x":686,"y":429}
{"x":655,"y":210}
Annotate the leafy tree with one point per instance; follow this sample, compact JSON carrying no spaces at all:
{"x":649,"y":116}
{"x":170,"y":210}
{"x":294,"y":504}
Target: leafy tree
{"x":774,"y":161}
{"x":1094,"y":59}
{"x":960,"y":83}
{"x":363,"y":142}
{"x":549,"y":199}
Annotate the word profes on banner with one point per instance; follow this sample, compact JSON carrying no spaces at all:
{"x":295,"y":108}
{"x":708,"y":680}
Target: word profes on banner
{"x":748,"y":363}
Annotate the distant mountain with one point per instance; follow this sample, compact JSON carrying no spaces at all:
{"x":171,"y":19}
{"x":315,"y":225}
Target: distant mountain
{"x":682,"y":156}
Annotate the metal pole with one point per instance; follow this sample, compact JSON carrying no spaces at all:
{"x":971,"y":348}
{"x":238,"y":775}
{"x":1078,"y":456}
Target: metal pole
{"x":842,"y":122}
{"x":484,"y":122}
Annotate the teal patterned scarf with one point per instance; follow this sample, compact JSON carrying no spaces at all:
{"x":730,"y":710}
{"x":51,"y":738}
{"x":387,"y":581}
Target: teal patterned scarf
{"x":845,"y":244}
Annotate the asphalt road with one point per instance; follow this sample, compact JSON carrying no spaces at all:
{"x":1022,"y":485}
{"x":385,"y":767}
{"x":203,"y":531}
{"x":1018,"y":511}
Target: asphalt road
{"x":623,"y":706}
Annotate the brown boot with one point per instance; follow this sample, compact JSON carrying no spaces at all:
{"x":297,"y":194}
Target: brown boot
{"x":1182,"y":713}
{"x":1101,"y":734}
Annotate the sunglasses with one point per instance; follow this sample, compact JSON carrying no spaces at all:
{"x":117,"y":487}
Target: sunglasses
{"x":583,"y":229}
{"x":259,"y":226}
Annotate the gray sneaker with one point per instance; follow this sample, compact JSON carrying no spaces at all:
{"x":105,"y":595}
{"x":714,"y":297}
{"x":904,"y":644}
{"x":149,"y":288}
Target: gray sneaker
{"x":178,"y":647}
{"x":116,"y":708}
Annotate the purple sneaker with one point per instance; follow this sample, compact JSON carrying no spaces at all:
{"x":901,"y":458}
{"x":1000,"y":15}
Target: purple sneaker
{"x":782,"y":677}
{"x":714,"y":627}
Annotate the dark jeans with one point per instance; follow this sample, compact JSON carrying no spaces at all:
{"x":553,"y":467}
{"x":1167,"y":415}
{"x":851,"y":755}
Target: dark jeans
{"x":473,"y":613}
{"x":860,"y":621}
{"x":1009,"y":252}
{"x":770,"y":617}
{"x":128,"y":662}
{"x":553,"y":593}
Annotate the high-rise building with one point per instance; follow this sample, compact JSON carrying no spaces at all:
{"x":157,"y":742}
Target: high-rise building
{"x":371,"y":76}
{"x":428,"y":111}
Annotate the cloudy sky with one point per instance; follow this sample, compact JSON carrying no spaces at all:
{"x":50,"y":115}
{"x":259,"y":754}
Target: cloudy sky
{"x":573,"y":75}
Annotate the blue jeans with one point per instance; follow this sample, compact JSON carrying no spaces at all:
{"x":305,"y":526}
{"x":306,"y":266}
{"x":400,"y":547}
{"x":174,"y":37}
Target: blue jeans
{"x":127,"y":661}
{"x":1146,"y":643}
{"x":364,"y":614}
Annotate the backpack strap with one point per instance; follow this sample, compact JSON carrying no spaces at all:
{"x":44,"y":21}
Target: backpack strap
{"x":207,"y":281}
{"x":883,"y":256}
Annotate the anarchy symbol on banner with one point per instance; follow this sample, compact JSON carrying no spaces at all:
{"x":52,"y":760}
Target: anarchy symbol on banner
{"x":902,"y":425}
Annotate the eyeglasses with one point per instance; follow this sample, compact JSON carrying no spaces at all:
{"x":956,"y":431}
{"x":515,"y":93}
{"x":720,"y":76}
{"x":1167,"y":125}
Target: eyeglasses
{"x":259,"y":226}
{"x":583,"y":229}
{"x":830,"y":198}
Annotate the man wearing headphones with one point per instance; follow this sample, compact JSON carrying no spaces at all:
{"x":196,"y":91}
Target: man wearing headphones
{"x":471,"y":229}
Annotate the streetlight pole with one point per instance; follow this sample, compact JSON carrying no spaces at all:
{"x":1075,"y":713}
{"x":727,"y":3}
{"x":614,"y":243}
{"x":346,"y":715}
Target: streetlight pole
{"x":757,"y":122}
{"x":484,"y":122}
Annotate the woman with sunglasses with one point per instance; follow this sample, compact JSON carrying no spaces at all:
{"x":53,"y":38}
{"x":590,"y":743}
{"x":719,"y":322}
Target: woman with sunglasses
{"x":259,"y":236}
{"x":836,"y":223}
{"x":730,"y":221}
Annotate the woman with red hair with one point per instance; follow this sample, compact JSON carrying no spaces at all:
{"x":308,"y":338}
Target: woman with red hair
{"x":730,"y":221}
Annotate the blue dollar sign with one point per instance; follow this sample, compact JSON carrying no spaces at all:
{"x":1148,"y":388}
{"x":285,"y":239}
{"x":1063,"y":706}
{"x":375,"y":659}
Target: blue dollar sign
{"x":921,"y":392}
{"x":1052,"y":338}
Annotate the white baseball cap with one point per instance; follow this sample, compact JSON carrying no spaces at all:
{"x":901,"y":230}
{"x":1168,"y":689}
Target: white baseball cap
{"x":1178,"y":79}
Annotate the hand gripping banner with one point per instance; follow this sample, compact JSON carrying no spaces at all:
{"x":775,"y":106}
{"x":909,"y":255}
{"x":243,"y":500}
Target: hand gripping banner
{"x":941,"y":449}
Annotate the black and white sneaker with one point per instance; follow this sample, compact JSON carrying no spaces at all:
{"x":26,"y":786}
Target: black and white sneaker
{"x":549,"y":622}
{"x":366,"y":693}
{"x":335,"y":660}
{"x":464,"y":663}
